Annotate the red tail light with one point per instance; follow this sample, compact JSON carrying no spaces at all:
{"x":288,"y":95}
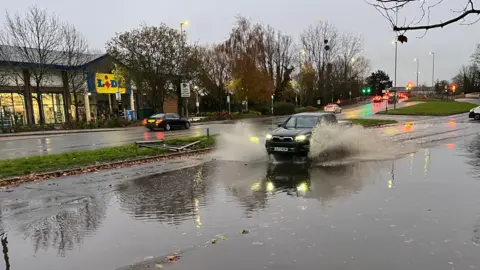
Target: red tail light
{"x":158,"y":121}
{"x":144,"y":121}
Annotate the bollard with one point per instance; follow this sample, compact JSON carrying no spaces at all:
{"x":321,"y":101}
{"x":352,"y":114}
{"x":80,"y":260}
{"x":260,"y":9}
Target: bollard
{"x":208,"y":132}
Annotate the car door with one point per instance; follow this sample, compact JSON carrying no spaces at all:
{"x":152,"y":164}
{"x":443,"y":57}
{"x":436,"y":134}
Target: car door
{"x":174,"y":120}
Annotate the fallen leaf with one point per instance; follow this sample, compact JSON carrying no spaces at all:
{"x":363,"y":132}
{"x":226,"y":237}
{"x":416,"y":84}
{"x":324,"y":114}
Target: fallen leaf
{"x":245,"y":232}
{"x":222,"y":237}
{"x":214,"y":241}
{"x":158,"y":266}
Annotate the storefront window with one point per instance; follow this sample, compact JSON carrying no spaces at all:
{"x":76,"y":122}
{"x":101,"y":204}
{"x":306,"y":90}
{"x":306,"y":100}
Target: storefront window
{"x":12,"y":109}
{"x":52,"y":108}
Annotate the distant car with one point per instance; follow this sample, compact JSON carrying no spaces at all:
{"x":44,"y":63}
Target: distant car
{"x":377,"y":99}
{"x":333,"y":108}
{"x":292,"y":138}
{"x":475,"y":113}
{"x":167,"y":121}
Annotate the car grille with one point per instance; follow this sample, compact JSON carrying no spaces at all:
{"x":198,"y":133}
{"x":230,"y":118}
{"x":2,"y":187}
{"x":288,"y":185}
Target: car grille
{"x":282,"y":139}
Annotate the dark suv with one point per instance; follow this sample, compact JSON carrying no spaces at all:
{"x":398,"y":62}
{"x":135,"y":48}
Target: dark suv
{"x":293,"y":136}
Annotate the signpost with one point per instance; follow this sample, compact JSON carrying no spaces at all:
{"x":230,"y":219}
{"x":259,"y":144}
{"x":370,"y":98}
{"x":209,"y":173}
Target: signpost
{"x":185,"y":93}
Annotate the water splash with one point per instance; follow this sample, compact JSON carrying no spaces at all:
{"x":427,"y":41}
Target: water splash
{"x":353,"y":143}
{"x":244,"y":142}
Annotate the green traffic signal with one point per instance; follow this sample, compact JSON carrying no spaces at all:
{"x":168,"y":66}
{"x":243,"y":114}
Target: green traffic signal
{"x":368,"y":90}
{"x":363,"y":91}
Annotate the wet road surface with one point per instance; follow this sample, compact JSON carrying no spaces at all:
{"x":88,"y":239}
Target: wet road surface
{"x":15,"y":147}
{"x":419,"y":211}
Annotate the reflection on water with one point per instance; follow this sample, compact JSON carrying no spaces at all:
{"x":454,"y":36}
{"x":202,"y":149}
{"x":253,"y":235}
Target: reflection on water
{"x":170,"y":197}
{"x":58,"y":221}
{"x":323,"y":183}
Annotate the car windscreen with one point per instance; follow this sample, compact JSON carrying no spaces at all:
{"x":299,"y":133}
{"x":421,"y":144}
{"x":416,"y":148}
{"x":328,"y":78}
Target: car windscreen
{"x":302,"y":122}
{"x":160,"y":115}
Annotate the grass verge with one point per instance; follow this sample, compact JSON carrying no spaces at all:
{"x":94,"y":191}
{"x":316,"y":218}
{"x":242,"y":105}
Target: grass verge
{"x":367,"y":122}
{"x":416,"y":99}
{"x":48,"y":163}
{"x":434,"y":108}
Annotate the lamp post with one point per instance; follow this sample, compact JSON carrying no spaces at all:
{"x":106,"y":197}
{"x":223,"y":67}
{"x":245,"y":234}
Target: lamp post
{"x":272,"y":103}
{"x":182,"y":36}
{"x":197,"y":103}
{"x":433,"y":68}
{"x":418,"y":67}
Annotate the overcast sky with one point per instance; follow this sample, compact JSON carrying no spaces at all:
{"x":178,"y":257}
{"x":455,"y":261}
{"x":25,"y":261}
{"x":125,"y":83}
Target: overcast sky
{"x":211,"y":21}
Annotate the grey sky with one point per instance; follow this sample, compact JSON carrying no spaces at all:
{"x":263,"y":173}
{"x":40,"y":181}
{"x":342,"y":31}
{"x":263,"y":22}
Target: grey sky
{"x":211,"y":21}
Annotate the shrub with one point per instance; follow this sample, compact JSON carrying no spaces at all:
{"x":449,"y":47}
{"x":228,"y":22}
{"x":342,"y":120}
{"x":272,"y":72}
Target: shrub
{"x":283,"y":108}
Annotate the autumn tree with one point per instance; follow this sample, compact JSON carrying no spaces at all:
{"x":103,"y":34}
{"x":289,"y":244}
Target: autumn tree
{"x":36,"y":38}
{"x":261,"y":60}
{"x":420,"y":13}
{"x":152,"y":55}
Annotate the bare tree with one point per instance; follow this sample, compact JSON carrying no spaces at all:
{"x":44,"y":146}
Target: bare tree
{"x":320,"y":45}
{"x":76,"y":55}
{"x":213,"y":74}
{"x":461,"y":9}
{"x":35,"y":38}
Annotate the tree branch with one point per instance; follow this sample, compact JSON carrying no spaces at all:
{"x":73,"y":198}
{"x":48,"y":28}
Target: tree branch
{"x":439,"y":25}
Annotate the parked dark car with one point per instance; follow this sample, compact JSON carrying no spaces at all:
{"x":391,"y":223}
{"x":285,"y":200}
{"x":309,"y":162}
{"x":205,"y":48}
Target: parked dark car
{"x":167,"y":121}
{"x":292,"y":138}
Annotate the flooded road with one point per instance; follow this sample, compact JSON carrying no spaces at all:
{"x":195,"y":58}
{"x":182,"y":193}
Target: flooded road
{"x":419,"y":211}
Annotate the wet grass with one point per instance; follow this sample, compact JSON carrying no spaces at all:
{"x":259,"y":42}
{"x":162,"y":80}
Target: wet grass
{"x":48,"y":163}
{"x":416,"y":99}
{"x":367,"y":122}
{"x":434,"y":108}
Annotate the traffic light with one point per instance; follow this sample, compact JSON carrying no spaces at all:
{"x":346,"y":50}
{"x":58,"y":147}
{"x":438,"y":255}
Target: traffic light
{"x":409,"y":86}
{"x":366,"y":91}
{"x":454,"y":87}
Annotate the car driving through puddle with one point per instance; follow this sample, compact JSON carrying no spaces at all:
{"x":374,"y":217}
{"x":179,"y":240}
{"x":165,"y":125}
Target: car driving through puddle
{"x":292,"y":138}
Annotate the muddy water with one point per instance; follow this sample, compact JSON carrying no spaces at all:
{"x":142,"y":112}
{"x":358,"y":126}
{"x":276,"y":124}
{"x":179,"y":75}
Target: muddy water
{"x":416,"y":212}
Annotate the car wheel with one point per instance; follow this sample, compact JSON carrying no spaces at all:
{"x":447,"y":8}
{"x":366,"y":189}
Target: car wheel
{"x":168,"y":127}
{"x":477,"y":116}
{"x":187,"y":125}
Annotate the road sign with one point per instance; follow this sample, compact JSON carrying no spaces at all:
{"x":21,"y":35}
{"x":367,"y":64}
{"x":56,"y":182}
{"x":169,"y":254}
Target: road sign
{"x":228,"y":98}
{"x":350,"y":93}
{"x":384,"y":91}
{"x":185,"y":90}
{"x":118,"y":96}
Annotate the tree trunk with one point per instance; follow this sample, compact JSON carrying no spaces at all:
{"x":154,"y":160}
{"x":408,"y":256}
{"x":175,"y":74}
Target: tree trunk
{"x":77,"y":112}
{"x":41,"y":113}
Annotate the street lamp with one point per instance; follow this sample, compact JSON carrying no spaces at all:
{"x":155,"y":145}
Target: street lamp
{"x":197,"y":102}
{"x":182,"y":24}
{"x":272,"y":102}
{"x":418,"y":66}
{"x":433,"y":68}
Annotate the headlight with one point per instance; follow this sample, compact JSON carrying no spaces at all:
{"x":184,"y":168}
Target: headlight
{"x":268,"y":137}
{"x":300,"y":138}
{"x":471,"y":110}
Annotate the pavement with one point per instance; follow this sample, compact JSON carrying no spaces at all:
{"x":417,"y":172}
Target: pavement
{"x":54,"y":142}
{"x":404,"y":197}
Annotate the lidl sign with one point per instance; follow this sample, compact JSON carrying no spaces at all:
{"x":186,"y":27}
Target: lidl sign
{"x":107,"y":84}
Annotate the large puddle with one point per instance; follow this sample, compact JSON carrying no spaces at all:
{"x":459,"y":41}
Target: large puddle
{"x":417,"y":212}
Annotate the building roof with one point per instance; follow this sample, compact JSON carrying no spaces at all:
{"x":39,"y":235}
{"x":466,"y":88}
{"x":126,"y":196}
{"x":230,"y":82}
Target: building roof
{"x":30,"y":57}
